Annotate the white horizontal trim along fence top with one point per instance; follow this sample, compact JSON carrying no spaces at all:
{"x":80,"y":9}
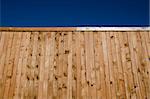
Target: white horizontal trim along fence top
{"x":112,"y":28}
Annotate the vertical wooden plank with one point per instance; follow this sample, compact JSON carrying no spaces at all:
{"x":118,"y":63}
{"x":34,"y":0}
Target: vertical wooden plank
{"x":1,"y":62}
{"x":140,"y":64}
{"x":2,"y":40}
{"x":99,"y":66}
{"x":56,"y":62}
{"x":96,"y":39}
{"x":69,"y":84}
{"x":30,"y":74}
{"x":134,"y":64}
{"x":41,"y":87}
{"x":111,"y":65}
{"x":114,"y":67}
{"x":90,"y":69}
{"x":127,"y":66}
{"x":107,"y":74}
{"x":5,"y":47}
{"x":74,"y":66}
{"x":65,"y":64}
{"x":38,"y":60}
{"x":143,"y":62}
{"x":92,"y":65}
{"x":19,"y":67}
{"x":34,"y":64}
{"x":60,"y":64}
{"x":51,"y":64}
{"x":102,"y":66}
{"x":117,"y":67}
{"x":7,"y":78}
{"x":84,"y":84}
{"x":37,"y":64}
{"x":29,"y":78}
{"x":147,"y":41}
{"x":10,"y":67}
{"x":0,"y":35}
{"x":87,"y":62}
{"x":14,"y":65}
{"x":23,"y":78}
{"x":78,"y":63}
{"x":121,"y":92}
{"x":47,"y":38}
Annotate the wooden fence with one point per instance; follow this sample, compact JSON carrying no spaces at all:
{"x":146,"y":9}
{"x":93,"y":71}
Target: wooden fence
{"x":75,"y":65}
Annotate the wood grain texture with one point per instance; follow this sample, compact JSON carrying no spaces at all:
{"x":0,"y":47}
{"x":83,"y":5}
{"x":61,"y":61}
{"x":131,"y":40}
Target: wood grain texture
{"x":74,"y":65}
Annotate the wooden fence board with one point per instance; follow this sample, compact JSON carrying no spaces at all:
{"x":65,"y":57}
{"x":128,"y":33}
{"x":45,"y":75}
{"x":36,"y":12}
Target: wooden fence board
{"x":74,"y":64}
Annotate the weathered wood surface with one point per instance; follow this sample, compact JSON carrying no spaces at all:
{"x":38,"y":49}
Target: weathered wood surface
{"x":75,"y":65}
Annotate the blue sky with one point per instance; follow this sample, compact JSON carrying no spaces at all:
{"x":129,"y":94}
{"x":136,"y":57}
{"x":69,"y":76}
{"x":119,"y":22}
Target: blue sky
{"x":74,"y":12}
